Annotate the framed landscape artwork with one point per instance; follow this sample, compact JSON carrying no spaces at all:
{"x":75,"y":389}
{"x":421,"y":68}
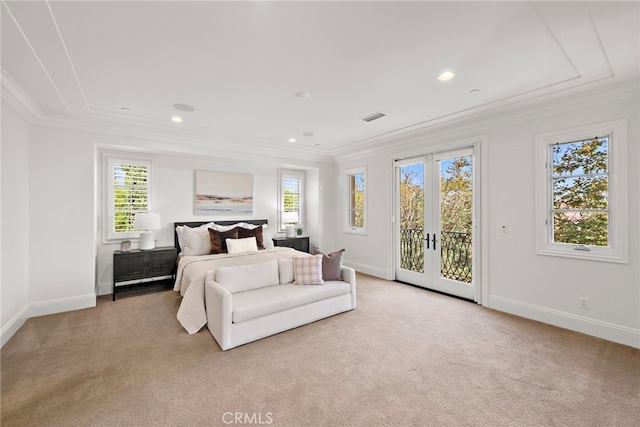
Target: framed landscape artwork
{"x":223,"y":193}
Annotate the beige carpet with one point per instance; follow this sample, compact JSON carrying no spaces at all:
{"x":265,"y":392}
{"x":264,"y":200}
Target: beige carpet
{"x":405,"y":356}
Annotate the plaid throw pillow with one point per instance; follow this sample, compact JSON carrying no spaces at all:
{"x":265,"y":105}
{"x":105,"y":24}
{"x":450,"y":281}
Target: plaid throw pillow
{"x":308,"y":270}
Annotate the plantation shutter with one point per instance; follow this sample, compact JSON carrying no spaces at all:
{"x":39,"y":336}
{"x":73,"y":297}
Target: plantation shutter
{"x":291,"y":197}
{"x":129,"y":192}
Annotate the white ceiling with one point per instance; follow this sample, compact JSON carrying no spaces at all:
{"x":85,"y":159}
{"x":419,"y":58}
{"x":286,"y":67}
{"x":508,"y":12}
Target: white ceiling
{"x":240,"y":64}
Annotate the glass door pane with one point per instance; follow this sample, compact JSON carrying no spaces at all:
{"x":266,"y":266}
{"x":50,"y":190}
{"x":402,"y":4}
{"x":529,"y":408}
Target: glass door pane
{"x":411,"y":218}
{"x":456,"y":219}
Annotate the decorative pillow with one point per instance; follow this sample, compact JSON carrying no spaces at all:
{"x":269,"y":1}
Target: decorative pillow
{"x":285,"y":270}
{"x":195,"y":241}
{"x":218,"y":239}
{"x":246,"y":225}
{"x":331,"y":264}
{"x":308,"y":270}
{"x":237,"y":246}
{"x":253,"y":232}
{"x":179,"y":232}
{"x":240,"y":278}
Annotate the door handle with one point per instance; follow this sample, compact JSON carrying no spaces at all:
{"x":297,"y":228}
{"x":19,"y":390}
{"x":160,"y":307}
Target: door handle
{"x":427,"y":239}
{"x":434,"y":242}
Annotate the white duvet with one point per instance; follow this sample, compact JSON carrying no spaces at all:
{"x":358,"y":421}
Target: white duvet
{"x":191,"y":273}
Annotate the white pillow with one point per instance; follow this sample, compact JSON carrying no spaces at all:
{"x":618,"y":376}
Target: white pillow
{"x":196,"y":241}
{"x":180,"y":238}
{"x":308,"y":270}
{"x":239,"y":278}
{"x":180,"y":231}
{"x":285,"y":269}
{"x":237,"y":246}
{"x":248,"y":226}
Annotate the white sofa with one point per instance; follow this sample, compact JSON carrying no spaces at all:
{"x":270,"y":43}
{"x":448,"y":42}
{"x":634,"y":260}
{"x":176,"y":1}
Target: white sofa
{"x":248,"y":302}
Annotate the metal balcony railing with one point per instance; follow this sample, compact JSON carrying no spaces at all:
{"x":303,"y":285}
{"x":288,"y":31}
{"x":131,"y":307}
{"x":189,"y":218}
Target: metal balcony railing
{"x":456,"y":254}
{"x":412,"y":249}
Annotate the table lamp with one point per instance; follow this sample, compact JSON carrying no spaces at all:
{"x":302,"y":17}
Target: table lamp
{"x":290,"y":219}
{"x":146,"y":223}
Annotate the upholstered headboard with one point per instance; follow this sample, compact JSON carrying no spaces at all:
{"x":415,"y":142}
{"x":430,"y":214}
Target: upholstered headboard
{"x":199,"y":223}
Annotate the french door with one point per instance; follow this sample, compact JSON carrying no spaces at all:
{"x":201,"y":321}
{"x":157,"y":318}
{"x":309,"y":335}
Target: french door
{"x":435,"y":222}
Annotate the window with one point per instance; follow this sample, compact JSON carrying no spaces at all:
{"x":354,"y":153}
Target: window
{"x":128,"y":189}
{"x":291,"y":198}
{"x":356,"y":215}
{"x":581,"y":191}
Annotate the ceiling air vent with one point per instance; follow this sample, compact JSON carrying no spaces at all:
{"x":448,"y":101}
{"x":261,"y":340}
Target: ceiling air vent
{"x":372,"y":117}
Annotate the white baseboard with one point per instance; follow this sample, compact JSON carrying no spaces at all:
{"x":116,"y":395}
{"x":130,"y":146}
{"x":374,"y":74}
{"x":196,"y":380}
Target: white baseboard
{"x":368,"y":269}
{"x":104,"y":288}
{"x":608,"y":331}
{"x":60,"y":305}
{"x":13,"y":325}
{"x":43,"y":308}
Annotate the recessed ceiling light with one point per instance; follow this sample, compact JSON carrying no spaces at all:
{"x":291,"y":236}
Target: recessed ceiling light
{"x":183,"y":107}
{"x":447,"y":75}
{"x":125,"y":109}
{"x":292,"y":140}
{"x":308,"y":133}
{"x":302,"y":95}
{"x":176,"y":119}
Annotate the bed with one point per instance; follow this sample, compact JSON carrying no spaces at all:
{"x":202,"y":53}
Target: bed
{"x":193,"y":264}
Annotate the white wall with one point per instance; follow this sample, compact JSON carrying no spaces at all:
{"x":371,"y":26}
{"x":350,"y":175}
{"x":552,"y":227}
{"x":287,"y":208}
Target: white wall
{"x":370,"y":253}
{"x":548,"y":288}
{"x":518,"y":281}
{"x":61,"y":221}
{"x":14,"y":265}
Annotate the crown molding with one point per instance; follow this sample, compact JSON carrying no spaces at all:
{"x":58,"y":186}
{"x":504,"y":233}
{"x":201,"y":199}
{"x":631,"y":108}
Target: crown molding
{"x":597,"y":94}
{"x":17,"y":100}
{"x":184,"y":139}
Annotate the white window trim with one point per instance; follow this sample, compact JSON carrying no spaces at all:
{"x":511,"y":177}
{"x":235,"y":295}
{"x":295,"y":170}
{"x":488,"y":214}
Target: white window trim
{"x":302,"y":176}
{"x":347,"y":224}
{"x":617,"y":251}
{"x":108,"y":159}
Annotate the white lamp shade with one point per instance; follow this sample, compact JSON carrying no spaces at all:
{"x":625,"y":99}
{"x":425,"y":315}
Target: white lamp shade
{"x":147,"y":221}
{"x":289,"y":230}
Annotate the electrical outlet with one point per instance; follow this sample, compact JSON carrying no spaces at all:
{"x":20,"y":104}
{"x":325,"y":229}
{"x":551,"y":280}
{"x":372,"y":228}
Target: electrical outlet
{"x":584,"y":303}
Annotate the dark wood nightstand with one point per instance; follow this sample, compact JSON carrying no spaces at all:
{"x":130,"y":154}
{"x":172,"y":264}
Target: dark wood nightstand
{"x":137,"y":264}
{"x":299,"y":243}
